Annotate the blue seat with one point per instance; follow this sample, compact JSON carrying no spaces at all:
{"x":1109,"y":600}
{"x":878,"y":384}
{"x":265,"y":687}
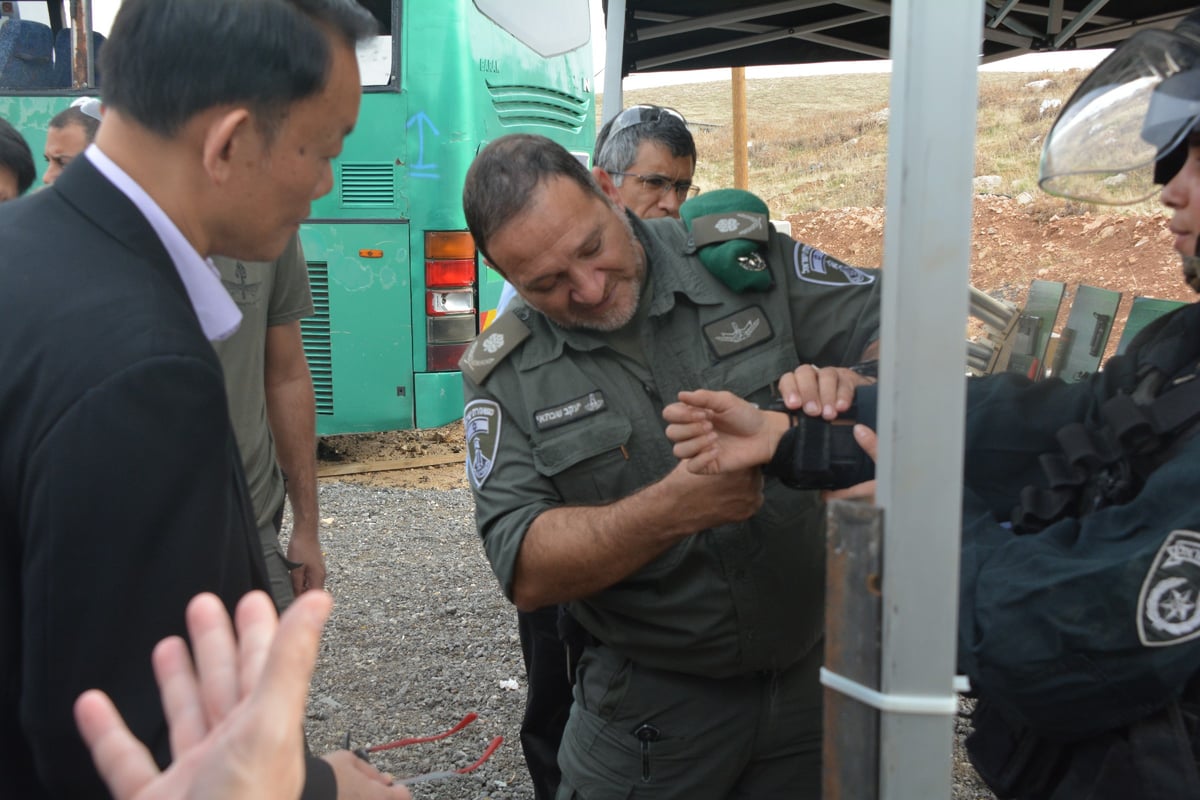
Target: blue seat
{"x":26,"y":55}
{"x":62,"y":57}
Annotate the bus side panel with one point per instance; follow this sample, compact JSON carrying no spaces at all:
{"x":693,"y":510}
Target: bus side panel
{"x":359,"y":342}
{"x":516,"y":90}
{"x":358,"y":243}
{"x":439,"y":398}
{"x":441,"y":145}
{"x":469,"y":82}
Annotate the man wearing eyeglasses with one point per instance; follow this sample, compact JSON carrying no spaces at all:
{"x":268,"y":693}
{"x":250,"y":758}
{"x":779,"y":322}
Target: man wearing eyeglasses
{"x":648,"y":154}
{"x":700,"y":601}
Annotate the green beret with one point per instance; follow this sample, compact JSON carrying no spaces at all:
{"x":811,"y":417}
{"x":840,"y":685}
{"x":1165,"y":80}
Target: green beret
{"x":729,"y":228}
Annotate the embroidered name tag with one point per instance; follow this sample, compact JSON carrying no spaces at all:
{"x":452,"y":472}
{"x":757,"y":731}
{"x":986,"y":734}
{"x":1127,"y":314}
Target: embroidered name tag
{"x":481,"y":425}
{"x":739,"y":331}
{"x":579,"y":408}
{"x":815,"y":266}
{"x":1168,"y":606}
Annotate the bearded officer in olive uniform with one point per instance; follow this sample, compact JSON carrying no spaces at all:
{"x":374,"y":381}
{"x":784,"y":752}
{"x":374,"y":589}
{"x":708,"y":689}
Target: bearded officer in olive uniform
{"x":701,"y":596}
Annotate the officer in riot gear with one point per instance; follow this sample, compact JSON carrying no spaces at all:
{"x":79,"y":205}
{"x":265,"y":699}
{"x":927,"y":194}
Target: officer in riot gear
{"x":1079,"y":621}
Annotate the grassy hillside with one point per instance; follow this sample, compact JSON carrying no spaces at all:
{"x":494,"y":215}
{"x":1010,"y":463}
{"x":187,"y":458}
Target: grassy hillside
{"x":821,"y":141}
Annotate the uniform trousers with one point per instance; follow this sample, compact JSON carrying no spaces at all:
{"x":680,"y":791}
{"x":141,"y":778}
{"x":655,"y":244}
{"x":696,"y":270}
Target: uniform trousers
{"x":640,"y":732}
{"x":548,"y":698}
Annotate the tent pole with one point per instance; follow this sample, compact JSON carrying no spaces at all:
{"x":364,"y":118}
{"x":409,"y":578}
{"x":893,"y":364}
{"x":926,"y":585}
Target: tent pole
{"x":614,"y":43}
{"x":741,"y":130}
{"x":935,"y":49}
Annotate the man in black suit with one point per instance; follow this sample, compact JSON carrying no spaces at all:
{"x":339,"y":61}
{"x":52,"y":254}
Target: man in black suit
{"x":121,"y":491}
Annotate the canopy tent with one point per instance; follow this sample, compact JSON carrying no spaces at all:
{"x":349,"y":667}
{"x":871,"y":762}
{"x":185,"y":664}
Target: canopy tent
{"x":935,"y":45}
{"x":663,"y":35}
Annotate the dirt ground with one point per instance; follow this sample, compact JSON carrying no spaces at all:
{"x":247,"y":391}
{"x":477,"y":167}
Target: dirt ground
{"x":1013,"y":243}
{"x":418,"y":447}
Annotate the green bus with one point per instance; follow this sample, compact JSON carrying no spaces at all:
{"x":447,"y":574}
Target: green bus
{"x":399,"y":288}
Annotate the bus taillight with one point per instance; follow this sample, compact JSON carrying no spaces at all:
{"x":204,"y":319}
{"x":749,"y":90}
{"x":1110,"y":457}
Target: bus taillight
{"x":449,"y":244}
{"x":449,"y":274}
{"x":442,"y":302}
{"x":451,"y":312}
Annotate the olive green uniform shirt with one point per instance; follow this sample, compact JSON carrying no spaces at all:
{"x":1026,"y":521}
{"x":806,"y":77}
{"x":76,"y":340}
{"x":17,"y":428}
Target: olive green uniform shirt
{"x":557,"y":417}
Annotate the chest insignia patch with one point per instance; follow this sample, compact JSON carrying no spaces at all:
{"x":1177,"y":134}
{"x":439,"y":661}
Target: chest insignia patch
{"x":1169,"y":604}
{"x":579,"y":408}
{"x":481,"y":423}
{"x":815,"y":266}
{"x":739,"y":331}
{"x":243,"y":291}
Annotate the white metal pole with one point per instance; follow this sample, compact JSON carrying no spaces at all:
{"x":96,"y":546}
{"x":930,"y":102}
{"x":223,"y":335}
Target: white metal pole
{"x":935,"y":47}
{"x":614,"y":43}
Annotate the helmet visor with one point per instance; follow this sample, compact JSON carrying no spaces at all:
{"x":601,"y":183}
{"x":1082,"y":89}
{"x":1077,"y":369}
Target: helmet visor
{"x":1136,"y":107}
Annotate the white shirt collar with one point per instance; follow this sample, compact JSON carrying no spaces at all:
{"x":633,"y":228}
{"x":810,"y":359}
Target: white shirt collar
{"x":218,"y":314}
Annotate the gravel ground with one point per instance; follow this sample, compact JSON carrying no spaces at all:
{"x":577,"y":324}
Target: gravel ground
{"x":420,"y":636}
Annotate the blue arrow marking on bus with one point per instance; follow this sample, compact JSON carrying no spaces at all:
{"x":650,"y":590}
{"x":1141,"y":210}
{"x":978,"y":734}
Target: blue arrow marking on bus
{"x":422,"y":121}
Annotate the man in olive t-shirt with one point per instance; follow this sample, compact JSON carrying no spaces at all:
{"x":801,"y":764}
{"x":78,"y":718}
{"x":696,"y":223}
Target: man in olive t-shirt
{"x":271,"y":406}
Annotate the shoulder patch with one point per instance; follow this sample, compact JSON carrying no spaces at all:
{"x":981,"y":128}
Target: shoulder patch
{"x":723,"y":227}
{"x":1168,"y":607}
{"x":492,"y":346}
{"x":815,"y":266}
{"x":481,"y":424}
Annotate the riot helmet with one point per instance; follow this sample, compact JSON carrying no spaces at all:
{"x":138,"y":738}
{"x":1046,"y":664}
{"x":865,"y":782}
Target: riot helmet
{"x":1125,"y":130}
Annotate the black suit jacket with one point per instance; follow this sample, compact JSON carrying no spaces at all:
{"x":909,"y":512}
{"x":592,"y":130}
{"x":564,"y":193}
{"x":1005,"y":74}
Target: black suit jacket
{"x":121,"y":490}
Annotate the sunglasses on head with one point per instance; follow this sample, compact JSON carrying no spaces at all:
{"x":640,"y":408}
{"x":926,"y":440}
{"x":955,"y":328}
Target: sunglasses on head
{"x":642,"y":115}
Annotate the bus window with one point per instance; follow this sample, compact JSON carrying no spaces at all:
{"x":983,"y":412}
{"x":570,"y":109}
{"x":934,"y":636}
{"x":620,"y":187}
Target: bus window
{"x":548,"y":27}
{"x":26,"y":46}
{"x":375,"y":54}
{"x":36,"y":43}
{"x":375,"y":61}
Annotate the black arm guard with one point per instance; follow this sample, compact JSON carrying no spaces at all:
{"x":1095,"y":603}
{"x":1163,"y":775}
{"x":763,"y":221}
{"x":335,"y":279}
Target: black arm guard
{"x":816,"y":454}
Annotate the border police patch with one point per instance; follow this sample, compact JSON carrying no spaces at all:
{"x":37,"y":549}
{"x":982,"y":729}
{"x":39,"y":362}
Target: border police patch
{"x":481,"y":424}
{"x":591,"y":403}
{"x":1169,"y":604}
{"x":815,"y":266}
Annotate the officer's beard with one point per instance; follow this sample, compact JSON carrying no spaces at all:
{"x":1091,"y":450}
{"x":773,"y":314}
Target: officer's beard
{"x":1191,"y":270}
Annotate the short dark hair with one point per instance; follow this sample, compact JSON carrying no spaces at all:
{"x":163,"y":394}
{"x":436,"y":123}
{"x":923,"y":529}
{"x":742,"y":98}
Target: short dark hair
{"x":16,"y":155}
{"x":166,"y":61}
{"x":73,"y":116}
{"x":617,"y":152}
{"x":503,"y":177}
